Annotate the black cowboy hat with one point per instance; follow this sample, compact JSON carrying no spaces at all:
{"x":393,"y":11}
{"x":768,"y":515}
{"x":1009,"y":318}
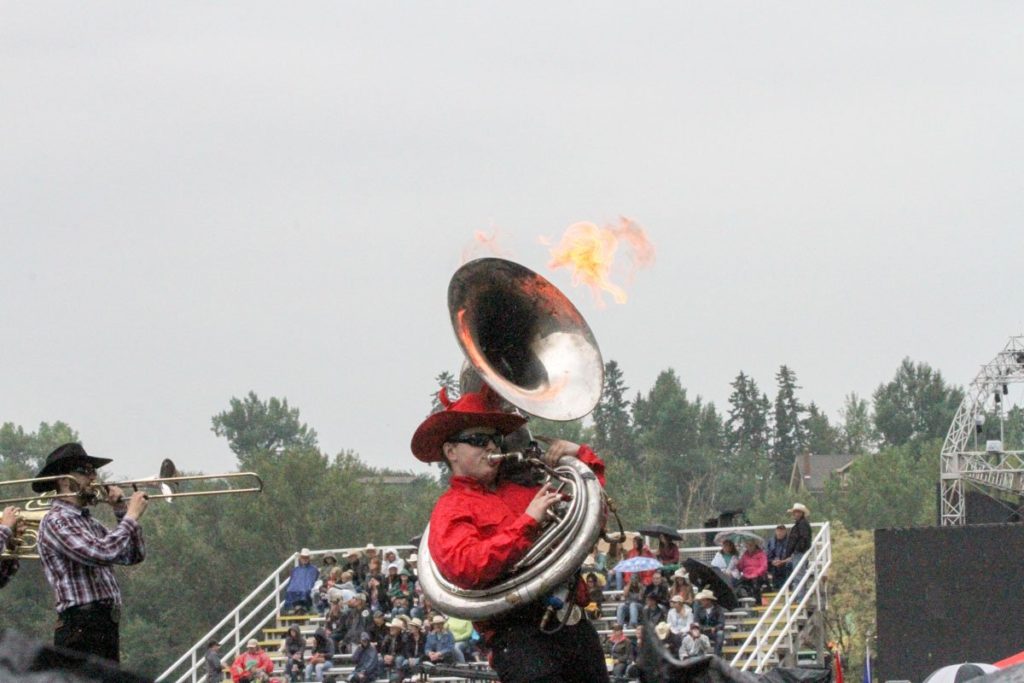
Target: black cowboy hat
{"x":61,"y":461}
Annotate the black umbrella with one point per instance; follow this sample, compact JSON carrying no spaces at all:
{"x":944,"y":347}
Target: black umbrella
{"x":705,"y":576}
{"x":659,"y":529}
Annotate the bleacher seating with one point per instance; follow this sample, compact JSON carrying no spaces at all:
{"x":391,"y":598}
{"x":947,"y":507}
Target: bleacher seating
{"x":270,"y":629}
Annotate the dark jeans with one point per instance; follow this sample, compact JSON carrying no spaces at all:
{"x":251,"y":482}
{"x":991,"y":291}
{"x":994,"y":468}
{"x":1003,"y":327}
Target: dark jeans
{"x":91,"y":628}
{"x":523,"y":654}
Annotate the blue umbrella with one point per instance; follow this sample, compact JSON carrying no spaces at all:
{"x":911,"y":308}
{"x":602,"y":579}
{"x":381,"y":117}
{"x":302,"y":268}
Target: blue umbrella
{"x":637,"y":564}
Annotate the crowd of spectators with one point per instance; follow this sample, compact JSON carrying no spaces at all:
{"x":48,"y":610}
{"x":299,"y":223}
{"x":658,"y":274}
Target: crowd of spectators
{"x":374,"y":609}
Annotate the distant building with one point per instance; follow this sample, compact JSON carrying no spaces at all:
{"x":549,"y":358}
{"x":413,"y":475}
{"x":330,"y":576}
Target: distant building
{"x":390,"y":480}
{"x":811,"y":471}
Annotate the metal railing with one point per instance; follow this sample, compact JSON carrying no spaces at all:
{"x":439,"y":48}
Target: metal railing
{"x":780,"y":623}
{"x":252,"y":614}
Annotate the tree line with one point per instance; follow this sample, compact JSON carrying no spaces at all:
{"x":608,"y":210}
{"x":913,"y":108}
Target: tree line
{"x":671,"y":457}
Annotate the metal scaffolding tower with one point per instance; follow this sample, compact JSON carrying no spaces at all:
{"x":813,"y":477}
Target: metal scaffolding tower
{"x":984,"y":462}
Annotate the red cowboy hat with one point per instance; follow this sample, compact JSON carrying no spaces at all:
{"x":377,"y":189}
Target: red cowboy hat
{"x":471,"y":410}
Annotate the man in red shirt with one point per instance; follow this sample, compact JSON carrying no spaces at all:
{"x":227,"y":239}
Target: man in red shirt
{"x":484,"y":524}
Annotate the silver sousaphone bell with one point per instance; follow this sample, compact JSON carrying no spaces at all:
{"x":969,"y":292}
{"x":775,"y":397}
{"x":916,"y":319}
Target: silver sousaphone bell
{"x":524,"y":338}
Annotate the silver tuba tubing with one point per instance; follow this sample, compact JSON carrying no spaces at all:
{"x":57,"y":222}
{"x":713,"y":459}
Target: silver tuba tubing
{"x":554,"y":556}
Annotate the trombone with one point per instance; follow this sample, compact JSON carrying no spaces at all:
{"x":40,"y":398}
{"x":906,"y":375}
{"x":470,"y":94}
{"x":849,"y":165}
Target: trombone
{"x":168,"y":483}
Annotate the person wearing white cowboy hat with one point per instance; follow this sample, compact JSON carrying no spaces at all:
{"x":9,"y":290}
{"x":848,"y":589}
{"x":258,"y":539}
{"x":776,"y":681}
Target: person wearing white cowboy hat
{"x":711,"y":618}
{"x":680,"y":616}
{"x":483,"y":524}
{"x":440,"y":645}
{"x":414,"y":649}
{"x":298,"y":593}
{"x":667,"y":639}
{"x":799,"y":541}
{"x":391,"y":646}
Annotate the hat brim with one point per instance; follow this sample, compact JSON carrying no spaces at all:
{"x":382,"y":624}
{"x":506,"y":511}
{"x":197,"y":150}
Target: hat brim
{"x":439,"y":427}
{"x":63,"y":466}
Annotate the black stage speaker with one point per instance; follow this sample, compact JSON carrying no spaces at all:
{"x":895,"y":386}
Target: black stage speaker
{"x":947,"y":595}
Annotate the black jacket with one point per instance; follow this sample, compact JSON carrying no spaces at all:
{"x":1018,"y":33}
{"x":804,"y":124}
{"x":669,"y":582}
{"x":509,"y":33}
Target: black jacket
{"x":799,"y":537}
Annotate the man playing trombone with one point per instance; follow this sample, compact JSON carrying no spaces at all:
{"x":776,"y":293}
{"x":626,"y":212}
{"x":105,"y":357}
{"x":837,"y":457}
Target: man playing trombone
{"x":8,"y":527}
{"x":78,"y":552}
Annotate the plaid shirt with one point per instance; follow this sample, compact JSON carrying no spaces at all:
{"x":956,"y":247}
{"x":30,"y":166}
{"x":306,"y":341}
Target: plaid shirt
{"x":77,"y":553}
{"x":8,"y":568}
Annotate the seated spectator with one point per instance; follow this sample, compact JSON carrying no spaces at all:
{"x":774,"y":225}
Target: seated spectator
{"x":378,"y":628}
{"x":652,"y":613}
{"x":392,"y":649}
{"x":631,"y":602}
{"x":694,"y":643}
{"x":369,"y":555}
{"x":711,"y":619}
{"x":636,"y":666}
{"x":353,"y":622}
{"x":294,"y":650}
{"x":440,"y":645}
{"x":373,"y":587}
{"x":778,"y":568}
{"x":667,"y":639}
{"x":403,"y":587}
{"x":298,"y":592}
{"x":753,"y":569}
{"x":410,"y":566}
{"x":668,"y":551}
{"x":639,"y":550}
{"x":321,"y":655}
{"x":214,"y":667}
{"x":680,"y":616}
{"x":620,"y":650}
{"x":659,"y":589}
{"x":366,"y":661}
{"x":595,"y":595}
{"x":354,"y":563}
{"x":391,"y":557}
{"x":681,"y":586}
{"x":726,"y":559}
{"x":415,"y":647}
{"x":251,"y":665}
{"x":465,"y":646}
{"x":400,"y":606}
{"x":329,"y":563}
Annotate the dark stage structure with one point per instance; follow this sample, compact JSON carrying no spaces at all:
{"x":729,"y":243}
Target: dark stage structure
{"x":947,"y":595}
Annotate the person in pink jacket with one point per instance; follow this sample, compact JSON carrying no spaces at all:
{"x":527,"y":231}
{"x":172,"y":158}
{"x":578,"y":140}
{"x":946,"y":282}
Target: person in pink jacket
{"x":753,"y":568}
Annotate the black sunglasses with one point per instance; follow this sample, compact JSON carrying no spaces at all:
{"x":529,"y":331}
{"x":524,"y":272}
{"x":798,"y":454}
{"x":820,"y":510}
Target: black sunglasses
{"x":480,"y":440}
{"x":83,"y":469}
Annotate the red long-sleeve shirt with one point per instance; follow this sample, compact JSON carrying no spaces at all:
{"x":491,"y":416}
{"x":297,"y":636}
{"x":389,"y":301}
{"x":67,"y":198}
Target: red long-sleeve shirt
{"x":476,"y":534}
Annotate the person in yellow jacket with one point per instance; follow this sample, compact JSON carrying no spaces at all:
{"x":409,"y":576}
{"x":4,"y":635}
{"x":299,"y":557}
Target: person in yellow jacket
{"x":465,"y":643}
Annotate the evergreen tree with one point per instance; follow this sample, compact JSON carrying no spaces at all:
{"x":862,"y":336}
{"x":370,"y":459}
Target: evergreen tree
{"x":790,"y":436}
{"x":822,"y":437}
{"x":613,"y":426}
{"x":747,"y":426}
{"x":450,"y":383}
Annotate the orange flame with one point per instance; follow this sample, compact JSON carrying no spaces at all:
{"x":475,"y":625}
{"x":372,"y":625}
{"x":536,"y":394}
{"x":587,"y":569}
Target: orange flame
{"x":482,"y":244}
{"x":589,"y":252}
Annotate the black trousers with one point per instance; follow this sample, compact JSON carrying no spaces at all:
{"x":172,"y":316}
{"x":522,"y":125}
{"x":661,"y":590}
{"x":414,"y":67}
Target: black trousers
{"x":523,"y":654}
{"x":91,"y":628}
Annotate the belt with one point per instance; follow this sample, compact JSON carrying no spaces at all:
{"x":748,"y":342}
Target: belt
{"x":97,"y":606}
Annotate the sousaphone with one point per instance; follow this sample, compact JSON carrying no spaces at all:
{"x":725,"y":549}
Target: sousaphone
{"x":525,"y":340}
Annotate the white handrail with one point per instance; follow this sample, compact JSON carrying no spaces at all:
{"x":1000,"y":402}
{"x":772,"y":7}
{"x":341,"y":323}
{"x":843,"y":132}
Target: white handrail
{"x":270,"y":589}
{"x":789,"y":605}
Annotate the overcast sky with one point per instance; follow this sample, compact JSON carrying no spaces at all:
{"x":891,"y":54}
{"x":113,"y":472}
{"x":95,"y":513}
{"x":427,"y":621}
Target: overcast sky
{"x":204,"y":199}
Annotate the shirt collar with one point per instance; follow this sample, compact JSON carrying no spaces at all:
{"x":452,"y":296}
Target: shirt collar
{"x":466,"y":483}
{"x":60,"y":503}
